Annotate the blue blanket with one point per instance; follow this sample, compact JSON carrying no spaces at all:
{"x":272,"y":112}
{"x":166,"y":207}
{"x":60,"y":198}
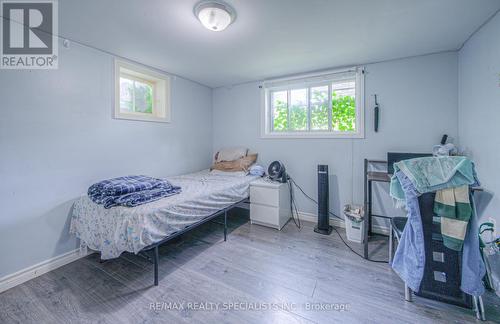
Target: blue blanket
{"x":130,"y":191}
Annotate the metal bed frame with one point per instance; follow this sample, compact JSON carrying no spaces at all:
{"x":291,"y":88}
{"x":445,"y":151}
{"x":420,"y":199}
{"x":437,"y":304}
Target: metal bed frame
{"x":154,"y":247}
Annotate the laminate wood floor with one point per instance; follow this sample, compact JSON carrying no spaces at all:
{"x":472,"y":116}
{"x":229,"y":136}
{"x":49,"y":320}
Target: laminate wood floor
{"x":259,"y":275}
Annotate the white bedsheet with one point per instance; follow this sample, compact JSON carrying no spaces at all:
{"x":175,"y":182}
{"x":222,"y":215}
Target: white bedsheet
{"x":118,"y":229}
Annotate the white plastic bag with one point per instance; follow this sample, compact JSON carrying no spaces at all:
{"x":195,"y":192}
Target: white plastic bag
{"x":354,"y":224}
{"x":491,"y":254}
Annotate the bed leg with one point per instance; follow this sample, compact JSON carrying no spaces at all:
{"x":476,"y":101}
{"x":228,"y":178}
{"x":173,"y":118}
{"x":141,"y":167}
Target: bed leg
{"x":225,"y":225}
{"x":155,"y":260}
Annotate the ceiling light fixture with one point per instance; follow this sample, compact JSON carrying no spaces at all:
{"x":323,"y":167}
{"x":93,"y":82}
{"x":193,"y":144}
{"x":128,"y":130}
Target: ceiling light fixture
{"x":215,"y":15}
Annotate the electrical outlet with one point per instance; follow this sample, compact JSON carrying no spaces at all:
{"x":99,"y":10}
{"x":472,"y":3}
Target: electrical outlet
{"x":495,"y":229}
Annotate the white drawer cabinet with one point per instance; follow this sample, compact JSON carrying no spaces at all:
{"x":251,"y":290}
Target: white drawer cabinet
{"x":269,"y":203}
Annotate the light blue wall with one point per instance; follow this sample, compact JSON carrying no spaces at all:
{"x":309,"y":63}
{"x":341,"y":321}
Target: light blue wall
{"x":479,"y":112}
{"x":57,"y":137}
{"x":418,"y":98}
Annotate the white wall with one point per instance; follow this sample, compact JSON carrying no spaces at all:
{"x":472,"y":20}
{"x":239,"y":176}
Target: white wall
{"x":479,"y":111}
{"x":418,"y":99}
{"x":57,"y":137}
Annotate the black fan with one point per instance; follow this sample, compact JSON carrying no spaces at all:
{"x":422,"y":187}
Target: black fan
{"x":277,"y":172}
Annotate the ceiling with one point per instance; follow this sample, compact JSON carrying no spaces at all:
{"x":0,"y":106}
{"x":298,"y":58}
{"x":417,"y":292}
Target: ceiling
{"x":271,"y":37}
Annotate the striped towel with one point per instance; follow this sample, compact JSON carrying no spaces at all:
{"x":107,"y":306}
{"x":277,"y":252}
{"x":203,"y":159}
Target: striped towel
{"x":454,"y":208}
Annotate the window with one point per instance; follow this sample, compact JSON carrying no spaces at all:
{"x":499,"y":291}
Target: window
{"x":141,"y":94}
{"x":329,"y":104}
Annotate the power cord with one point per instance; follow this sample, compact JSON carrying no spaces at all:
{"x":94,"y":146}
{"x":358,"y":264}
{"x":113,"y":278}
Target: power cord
{"x":293,"y":206}
{"x":292,"y":182}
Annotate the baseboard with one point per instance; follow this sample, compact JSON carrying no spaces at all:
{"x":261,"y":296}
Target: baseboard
{"x":39,"y":269}
{"x":313,"y":218}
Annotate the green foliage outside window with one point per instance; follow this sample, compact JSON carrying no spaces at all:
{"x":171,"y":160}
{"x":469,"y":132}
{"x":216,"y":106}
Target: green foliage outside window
{"x":280,"y":116}
{"x":298,"y":118}
{"x":144,"y":98}
{"x":343,"y":114}
{"x":136,"y":96}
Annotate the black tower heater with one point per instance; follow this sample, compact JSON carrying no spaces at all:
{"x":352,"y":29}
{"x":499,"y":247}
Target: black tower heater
{"x":323,"y":226}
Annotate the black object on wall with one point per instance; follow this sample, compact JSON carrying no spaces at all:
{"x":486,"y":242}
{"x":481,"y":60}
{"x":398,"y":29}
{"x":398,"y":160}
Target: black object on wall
{"x":377,"y":115}
{"x":444,"y":139}
{"x":323,"y":226}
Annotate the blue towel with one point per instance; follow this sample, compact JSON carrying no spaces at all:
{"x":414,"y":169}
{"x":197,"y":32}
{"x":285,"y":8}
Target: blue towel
{"x":130,"y":191}
{"x":429,"y":174}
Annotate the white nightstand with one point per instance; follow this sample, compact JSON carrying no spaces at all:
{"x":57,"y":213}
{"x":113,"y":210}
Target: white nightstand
{"x":269,"y":203}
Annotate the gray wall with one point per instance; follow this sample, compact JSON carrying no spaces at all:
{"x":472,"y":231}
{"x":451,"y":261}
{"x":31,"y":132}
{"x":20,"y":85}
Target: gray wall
{"x":57,"y":137}
{"x":479,"y":111}
{"x":418,"y":98}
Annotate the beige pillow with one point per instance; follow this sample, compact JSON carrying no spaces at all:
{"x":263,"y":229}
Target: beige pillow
{"x":231,"y":154}
{"x":242,"y":164}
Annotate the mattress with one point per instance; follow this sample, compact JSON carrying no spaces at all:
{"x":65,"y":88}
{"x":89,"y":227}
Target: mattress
{"x":119,"y":229}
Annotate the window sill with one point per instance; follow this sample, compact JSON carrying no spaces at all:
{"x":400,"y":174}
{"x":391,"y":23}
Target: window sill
{"x":314,"y":135}
{"x":141,"y":118}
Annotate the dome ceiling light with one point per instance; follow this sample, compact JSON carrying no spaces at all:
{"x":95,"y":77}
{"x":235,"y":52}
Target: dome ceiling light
{"x":214,"y":15}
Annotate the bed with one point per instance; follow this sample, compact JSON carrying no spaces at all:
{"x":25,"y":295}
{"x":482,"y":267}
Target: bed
{"x":205,"y":195}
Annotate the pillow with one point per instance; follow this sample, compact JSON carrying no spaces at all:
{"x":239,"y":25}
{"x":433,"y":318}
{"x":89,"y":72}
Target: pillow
{"x":231,"y":154}
{"x":242,"y":164}
{"x":228,"y":173}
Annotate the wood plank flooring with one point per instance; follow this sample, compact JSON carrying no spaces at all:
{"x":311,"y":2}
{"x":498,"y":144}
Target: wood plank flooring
{"x":259,"y":275}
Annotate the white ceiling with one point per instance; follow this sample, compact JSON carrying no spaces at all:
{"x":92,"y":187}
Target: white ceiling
{"x":271,"y":37}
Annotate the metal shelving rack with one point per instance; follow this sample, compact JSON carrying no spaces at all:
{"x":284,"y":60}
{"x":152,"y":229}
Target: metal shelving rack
{"x":369,"y":178}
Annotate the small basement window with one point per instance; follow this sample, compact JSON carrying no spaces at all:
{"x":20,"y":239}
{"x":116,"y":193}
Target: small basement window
{"x":141,"y":94}
{"x":325,"y":105}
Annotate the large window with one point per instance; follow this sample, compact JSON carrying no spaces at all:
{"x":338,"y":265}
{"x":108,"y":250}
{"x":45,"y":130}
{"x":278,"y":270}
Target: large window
{"x":322,"y":105}
{"x":141,"y":94}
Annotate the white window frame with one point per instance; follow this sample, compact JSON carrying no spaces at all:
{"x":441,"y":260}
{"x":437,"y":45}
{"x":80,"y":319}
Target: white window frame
{"x":307,"y":81}
{"x":161,"y":92}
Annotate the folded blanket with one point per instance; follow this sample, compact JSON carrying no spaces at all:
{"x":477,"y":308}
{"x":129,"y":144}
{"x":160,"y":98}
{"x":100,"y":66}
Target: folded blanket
{"x":130,"y":191}
{"x":454,"y":208}
{"x":145,"y":196}
{"x":124,"y":185}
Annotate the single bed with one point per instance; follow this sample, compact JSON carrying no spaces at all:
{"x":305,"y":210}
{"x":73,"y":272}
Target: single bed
{"x":205,"y":195}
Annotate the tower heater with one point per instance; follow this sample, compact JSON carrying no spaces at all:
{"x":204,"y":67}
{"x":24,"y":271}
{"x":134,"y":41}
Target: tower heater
{"x":323,"y":226}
